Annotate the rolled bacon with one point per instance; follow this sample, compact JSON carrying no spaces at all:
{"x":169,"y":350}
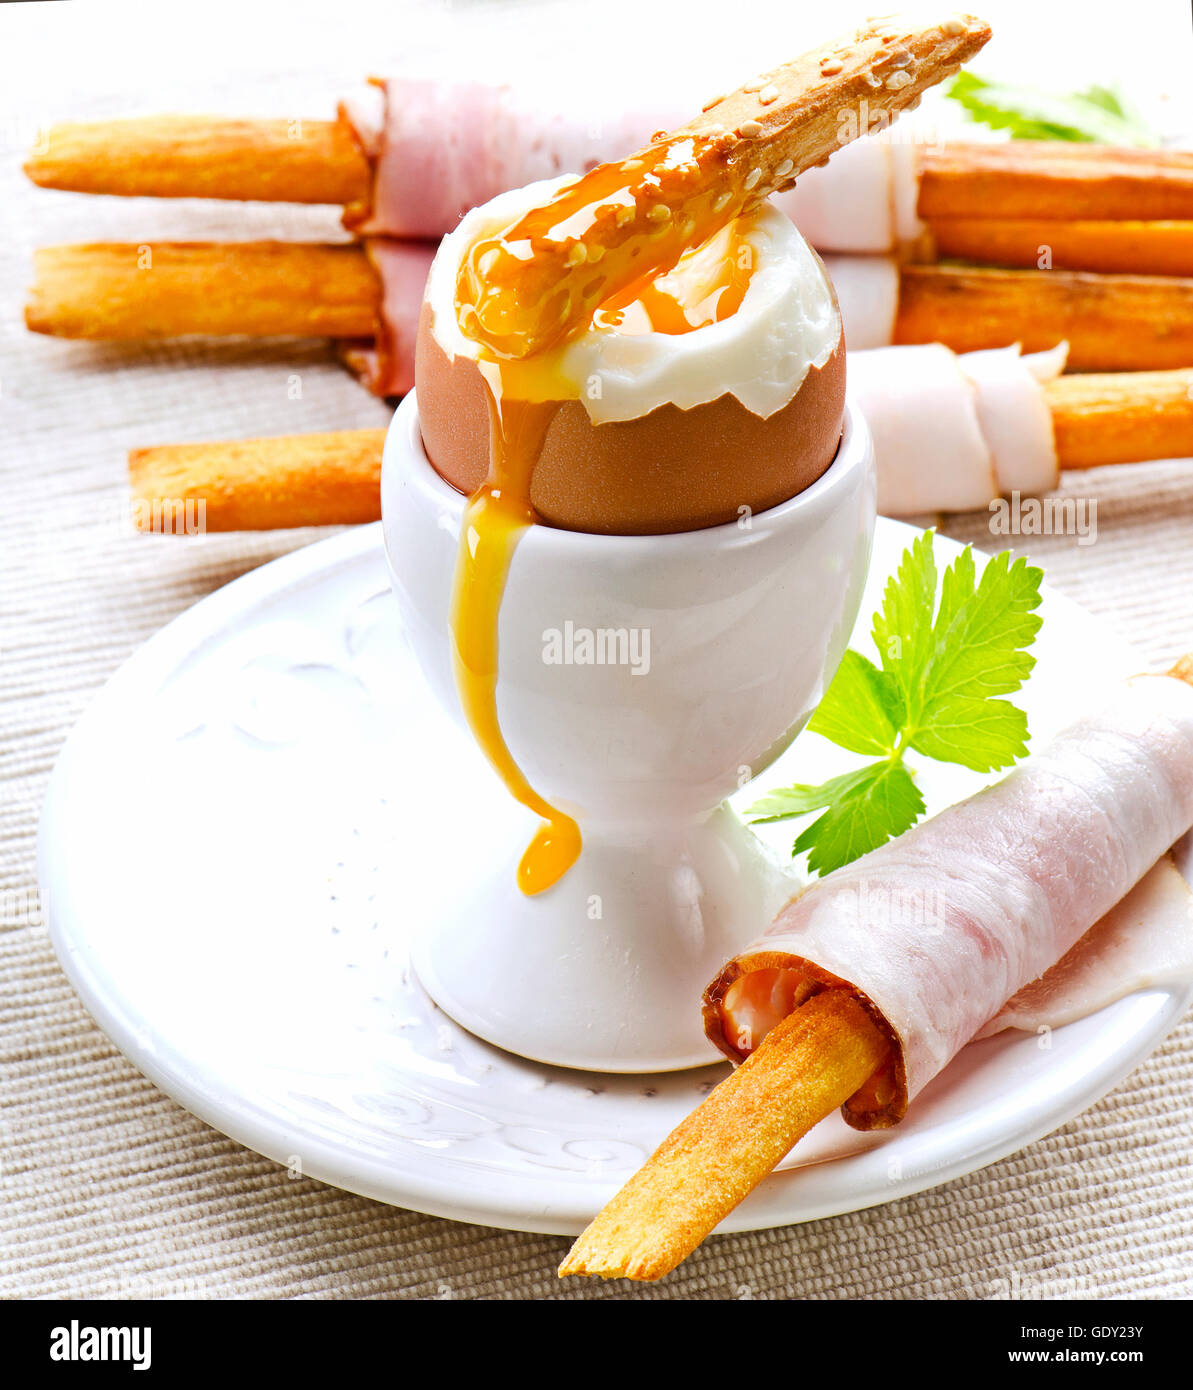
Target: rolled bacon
{"x":954,"y":431}
{"x":938,"y":929}
{"x":440,"y":147}
{"x":1144,"y":942}
{"x":386,"y":366}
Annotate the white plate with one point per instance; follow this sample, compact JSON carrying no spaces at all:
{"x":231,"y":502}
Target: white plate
{"x":258,"y":805}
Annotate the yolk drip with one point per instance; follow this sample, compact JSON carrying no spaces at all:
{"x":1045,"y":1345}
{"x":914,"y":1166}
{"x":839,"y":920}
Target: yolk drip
{"x":494,"y":520}
{"x":520,"y":295}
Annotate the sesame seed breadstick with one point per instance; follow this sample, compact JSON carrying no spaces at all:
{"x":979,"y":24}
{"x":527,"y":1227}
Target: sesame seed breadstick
{"x":626,"y":221}
{"x":1137,"y":248}
{"x":1112,"y":322}
{"x":807,"y":1067}
{"x":798,"y":114}
{"x":205,"y":157}
{"x":171,"y":289}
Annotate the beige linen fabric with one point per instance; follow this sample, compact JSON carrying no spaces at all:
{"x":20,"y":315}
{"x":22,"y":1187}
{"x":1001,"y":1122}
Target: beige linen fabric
{"x":107,"y":1187}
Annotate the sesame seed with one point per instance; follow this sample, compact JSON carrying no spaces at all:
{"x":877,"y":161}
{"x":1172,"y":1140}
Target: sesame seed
{"x":659,"y":212}
{"x":785,"y":168}
{"x":630,"y":165}
{"x":898,"y":79}
{"x":871,"y":79}
{"x":756,"y":86}
{"x":721,"y":201}
{"x":752,"y":177}
{"x":716,"y":101}
{"x":953,"y":27}
{"x":768,"y":94}
{"x":898,"y":58}
{"x":624,"y":215}
{"x":578,"y":254}
{"x":749,"y":129}
{"x":831,"y":67}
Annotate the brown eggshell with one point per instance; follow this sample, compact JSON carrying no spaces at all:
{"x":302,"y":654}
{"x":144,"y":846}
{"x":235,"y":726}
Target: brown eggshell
{"x":671,"y":470}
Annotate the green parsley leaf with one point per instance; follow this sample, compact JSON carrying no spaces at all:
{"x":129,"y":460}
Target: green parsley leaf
{"x":798,"y":800}
{"x":941,"y":668}
{"x":1099,"y":115}
{"x":980,"y":734}
{"x":862,"y":709}
{"x":982,"y":631}
{"x":902,"y":629}
{"x":885,"y":801}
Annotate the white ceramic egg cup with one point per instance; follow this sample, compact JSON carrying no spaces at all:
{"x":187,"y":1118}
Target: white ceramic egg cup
{"x":730,"y":637}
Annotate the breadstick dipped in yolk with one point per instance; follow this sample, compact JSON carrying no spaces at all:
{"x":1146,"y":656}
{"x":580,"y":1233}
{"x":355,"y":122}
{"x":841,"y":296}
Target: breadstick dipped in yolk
{"x":619,"y":226}
{"x":539,"y":282}
{"x":603,"y":240}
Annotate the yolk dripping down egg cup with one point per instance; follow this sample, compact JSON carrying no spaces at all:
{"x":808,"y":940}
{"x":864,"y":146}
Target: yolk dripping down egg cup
{"x":705,"y":507}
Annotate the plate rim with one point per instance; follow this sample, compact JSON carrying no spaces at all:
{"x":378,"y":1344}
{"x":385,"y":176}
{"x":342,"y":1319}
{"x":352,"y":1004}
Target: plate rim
{"x":420,"y":1190}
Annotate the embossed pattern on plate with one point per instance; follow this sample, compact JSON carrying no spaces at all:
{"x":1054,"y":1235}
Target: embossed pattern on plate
{"x":241,"y":831}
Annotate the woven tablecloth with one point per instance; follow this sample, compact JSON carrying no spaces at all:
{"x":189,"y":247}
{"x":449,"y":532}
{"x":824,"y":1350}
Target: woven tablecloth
{"x":111,"y":1189}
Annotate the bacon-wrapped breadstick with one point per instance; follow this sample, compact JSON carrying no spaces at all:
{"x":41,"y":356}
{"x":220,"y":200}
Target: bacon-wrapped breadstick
{"x":1111,"y":322}
{"x":1038,"y":423}
{"x":411,"y":161}
{"x":367,"y":297}
{"x":854,"y":979}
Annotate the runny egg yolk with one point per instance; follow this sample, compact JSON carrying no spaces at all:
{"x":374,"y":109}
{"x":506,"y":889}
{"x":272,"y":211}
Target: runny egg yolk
{"x":520,"y":296}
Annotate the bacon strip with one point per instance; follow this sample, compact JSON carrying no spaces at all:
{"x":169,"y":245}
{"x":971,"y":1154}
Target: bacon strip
{"x":938,"y":928}
{"x":909,"y":951}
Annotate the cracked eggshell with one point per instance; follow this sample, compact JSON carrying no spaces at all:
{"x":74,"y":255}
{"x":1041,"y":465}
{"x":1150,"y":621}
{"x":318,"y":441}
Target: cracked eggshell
{"x":675,"y":447}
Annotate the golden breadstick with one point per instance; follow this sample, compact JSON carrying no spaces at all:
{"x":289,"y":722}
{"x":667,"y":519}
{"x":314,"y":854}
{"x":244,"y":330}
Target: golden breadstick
{"x":330,"y":479}
{"x":1139,"y":248}
{"x":1121,"y":417}
{"x":625,"y":221}
{"x":261,"y":484}
{"x":168,"y":289}
{"x":205,"y":157}
{"x":1052,"y":179}
{"x":1112,"y":322}
{"x":303,"y":161}
{"x":807,"y":1066}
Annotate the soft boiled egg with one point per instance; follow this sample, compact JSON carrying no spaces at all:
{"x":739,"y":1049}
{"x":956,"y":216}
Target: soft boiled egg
{"x":713,"y":392}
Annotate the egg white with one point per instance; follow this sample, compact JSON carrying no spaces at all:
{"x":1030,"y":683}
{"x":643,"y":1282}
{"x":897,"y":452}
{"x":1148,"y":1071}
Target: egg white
{"x":787,"y":323}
